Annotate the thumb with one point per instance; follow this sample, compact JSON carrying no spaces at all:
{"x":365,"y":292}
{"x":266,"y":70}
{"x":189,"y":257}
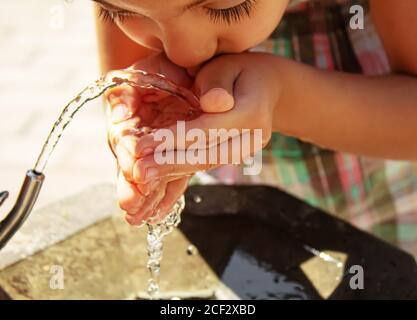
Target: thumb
{"x":215,"y":84}
{"x":217,"y":100}
{"x":120,"y":100}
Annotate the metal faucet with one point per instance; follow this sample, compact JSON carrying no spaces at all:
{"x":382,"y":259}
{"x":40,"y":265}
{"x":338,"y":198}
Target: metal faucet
{"x":23,"y":206}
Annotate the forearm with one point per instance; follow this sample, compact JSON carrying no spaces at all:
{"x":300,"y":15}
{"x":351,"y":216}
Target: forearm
{"x":374,"y":116}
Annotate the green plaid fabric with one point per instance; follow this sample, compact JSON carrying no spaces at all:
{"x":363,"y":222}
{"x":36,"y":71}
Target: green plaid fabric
{"x":373,"y":194}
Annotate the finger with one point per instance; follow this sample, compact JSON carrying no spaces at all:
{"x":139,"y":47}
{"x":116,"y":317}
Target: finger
{"x":126,"y":162}
{"x":189,"y":134}
{"x":249,"y":99}
{"x":236,"y":151}
{"x":126,"y":159}
{"x":121,"y":103}
{"x":149,"y":187}
{"x":140,"y":200}
{"x":117,"y":132}
{"x":130,"y":199}
{"x":148,"y":207}
{"x":174,"y":191}
{"x":160,"y":64}
{"x":125,"y":93}
{"x":216,"y":99}
{"x":216,"y":89}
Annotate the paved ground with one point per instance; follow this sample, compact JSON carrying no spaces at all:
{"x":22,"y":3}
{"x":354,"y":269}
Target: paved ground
{"x":48,"y":53}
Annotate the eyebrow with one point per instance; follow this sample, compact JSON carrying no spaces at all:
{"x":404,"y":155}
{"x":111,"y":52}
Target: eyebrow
{"x":188,"y":6}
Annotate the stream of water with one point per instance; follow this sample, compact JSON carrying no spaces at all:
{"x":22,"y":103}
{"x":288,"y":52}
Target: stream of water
{"x":90,"y":93}
{"x":156,"y":234}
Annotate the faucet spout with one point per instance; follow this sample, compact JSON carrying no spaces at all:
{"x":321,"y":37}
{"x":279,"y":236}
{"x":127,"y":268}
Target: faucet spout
{"x":25,"y":201}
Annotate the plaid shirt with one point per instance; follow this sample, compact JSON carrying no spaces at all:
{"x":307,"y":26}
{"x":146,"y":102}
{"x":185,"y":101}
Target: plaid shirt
{"x":376,"y":195}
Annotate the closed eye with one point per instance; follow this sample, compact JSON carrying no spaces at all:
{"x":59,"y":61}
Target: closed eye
{"x":112,"y":15}
{"x":227,"y":15}
{"x":232,"y":15}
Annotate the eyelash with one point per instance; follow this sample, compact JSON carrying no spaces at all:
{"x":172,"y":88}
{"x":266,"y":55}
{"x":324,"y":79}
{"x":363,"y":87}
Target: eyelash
{"x":228,"y":16}
{"x":107,"y":15}
{"x":232,"y":15}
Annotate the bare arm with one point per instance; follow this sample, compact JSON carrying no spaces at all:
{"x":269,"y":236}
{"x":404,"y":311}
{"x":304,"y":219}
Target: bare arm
{"x":375,"y":116}
{"x":397,"y":26}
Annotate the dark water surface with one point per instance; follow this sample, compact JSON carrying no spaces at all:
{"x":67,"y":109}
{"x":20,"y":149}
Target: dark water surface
{"x":256,"y":239}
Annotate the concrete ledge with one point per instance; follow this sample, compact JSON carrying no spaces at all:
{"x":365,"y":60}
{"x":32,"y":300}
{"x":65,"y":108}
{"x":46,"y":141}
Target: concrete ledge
{"x":107,"y":261}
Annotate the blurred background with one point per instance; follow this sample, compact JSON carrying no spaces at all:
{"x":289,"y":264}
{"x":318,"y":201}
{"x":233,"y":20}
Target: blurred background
{"x":48,"y":54}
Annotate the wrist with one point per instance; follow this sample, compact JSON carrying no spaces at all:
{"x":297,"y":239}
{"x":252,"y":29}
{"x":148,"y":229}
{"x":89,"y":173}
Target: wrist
{"x":288,"y":116}
{"x":280,"y":86}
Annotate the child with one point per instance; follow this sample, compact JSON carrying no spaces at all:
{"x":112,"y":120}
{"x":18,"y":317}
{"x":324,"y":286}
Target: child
{"x":354,"y":98}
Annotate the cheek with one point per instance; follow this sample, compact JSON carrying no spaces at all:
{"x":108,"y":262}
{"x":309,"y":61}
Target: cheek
{"x":142,"y":31}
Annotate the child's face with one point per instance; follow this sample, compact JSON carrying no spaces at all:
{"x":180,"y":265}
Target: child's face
{"x":193,"y":31}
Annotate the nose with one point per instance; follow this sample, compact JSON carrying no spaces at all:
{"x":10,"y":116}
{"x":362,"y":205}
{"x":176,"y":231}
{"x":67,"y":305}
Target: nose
{"x":188,"y":49}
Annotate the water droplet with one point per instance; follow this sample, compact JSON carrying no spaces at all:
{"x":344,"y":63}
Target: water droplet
{"x":191,"y":250}
{"x":197,"y":199}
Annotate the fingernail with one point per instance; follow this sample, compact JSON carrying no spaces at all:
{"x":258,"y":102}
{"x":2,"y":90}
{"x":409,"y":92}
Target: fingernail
{"x":151,"y":173}
{"x":217,"y":100}
{"x":120,"y":113}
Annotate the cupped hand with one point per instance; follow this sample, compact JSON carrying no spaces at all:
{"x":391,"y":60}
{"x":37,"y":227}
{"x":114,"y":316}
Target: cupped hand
{"x":126,"y":113}
{"x":239,"y":93}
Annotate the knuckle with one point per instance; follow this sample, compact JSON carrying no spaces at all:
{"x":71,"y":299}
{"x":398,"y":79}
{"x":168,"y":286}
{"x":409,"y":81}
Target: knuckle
{"x":122,"y":93}
{"x":131,"y":205}
{"x":127,"y":173}
{"x":113,"y":137}
{"x":133,"y":220}
{"x":124,"y":205}
{"x":130,"y":143}
{"x":266,"y":136}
